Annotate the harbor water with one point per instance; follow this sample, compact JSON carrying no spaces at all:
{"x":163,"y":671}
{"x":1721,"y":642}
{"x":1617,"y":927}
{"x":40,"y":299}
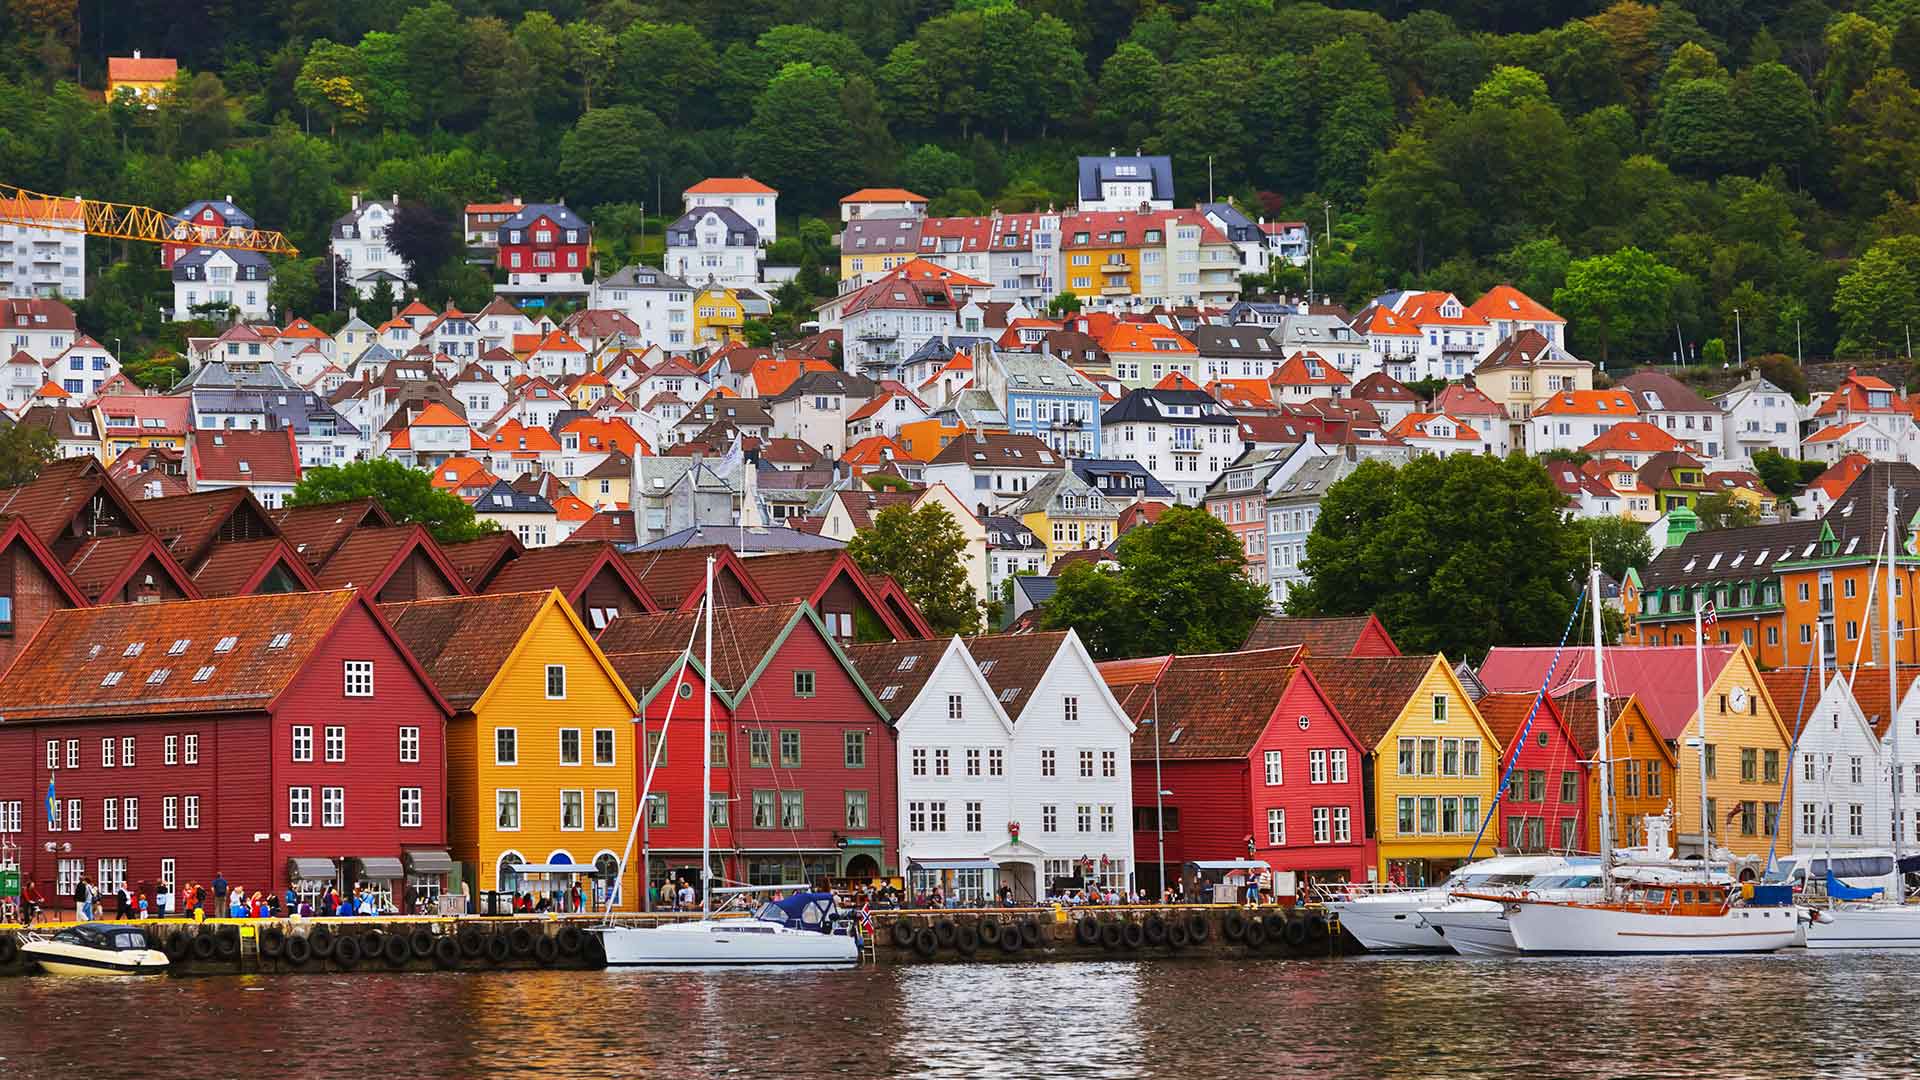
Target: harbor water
{"x":1790,"y":1015}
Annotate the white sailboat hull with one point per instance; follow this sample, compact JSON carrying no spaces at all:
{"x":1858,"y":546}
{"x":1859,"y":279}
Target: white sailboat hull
{"x":1473,"y":928}
{"x":1548,"y":928}
{"x":1392,"y":923}
{"x":725,"y":942}
{"x":1866,"y":926}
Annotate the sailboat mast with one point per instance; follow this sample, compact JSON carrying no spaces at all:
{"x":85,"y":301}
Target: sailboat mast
{"x":1893,"y":679}
{"x":1600,"y":722}
{"x":706,"y":755}
{"x":1700,"y":712}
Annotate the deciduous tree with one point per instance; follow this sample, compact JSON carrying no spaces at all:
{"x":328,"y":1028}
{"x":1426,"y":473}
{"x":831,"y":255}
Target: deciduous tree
{"x":407,"y":494}
{"x":923,"y":549}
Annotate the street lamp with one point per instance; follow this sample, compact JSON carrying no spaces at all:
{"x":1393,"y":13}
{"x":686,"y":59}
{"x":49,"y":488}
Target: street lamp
{"x":1740,"y":349}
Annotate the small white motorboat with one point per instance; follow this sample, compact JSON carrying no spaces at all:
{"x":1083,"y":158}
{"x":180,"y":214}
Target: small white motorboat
{"x":96,"y":949}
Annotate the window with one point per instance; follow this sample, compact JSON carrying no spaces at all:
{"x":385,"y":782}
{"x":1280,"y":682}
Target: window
{"x":603,"y":745}
{"x":855,"y":748}
{"x":763,"y":809}
{"x":1316,"y":766}
{"x":506,"y":809}
{"x":1470,"y":757}
{"x":1653,"y":777}
{"x":409,"y":744}
{"x":956,"y":709}
{"x":1337,"y":766}
{"x":974,"y":815}
{"x":1049,"y":818}
{"x":973,"y":761}
{"x":1070,"y":710}
{"x":1429,"y":814}
{"x":996,"y":762}
{"x":1406,"y":765}
{"x":1322,"y":825}
{"x":110,"y":815}
{"x":299,"y":807}
{"x":302,"y":743}
{"x":1342,"y":825}
{"x":336,"y":744}
{"x":793,"y":811}
{"x":1439,"y":708}
{"x":919,"y":759}
{"x":73,"y":815}
{"x":359,"y":676}
{"x":106,"y":753}
{"x":803,"y":684}
{"x":170,"y":812}
{"x":1770,"y":767}
{"x":857,"y":809}
{"x":1047,"y":758}
{"x":1712,"y":765}
{"x":1749,"y":764}
{"x":556,"y":682}
{"x":1086,"y":764}
{"x":409,"y":807}
{"x":1450,"y":757}
{"x":1569,"y":786}
{"x":942,"y":761}
{"x":573,"y":810}
{"x":570,"y":745}
{"x":1083,"y":817}
{"x":606,"y":809}
{"x":1109,"y":764}
{"x":73,"y":754}
{"x":333,"y":807}
{"x":1429,"y":751}
{"x":53,"y":752}
{"x":760,"y":750}
{"x":1404,"y":808}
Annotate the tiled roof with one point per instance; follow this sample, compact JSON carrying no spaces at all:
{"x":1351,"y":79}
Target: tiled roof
{"x":246,"y":457}
{"x":104,"y":564}
{"x":796,"y":575}
{"x":1506,"y":713}
{"x":463,"y":641}
{"x":1209,"y":706}
{"x":896,"y":672}
{"x":883,"y":195}
{"x":477,"y":560}
{"x":67,"y":671}
{"x":57,"y":495}
{"x":233,"y":569}
{"x":317,"y":531}
{"x":569,"y":567}
{"x":742,"y":636}
{"x":672,"y":575}
{"x":984,"y":449}
{"x":1587,"y":403}
{"x":1741,"y":554}
{"x":189,"y":524}
{"x":1634,"y":437}
{"x":1335,"y":636}
{"x":1014,"y":663}
{"x":369,"y":555}
{"x":1370,"y":692}
{"x":1505,"y":302}
{"x":730,"y":185}
{"x":616,"y":526}
{"x":141,"y":69}
{"x":1660,"y":676}
{"x":861,"y":506}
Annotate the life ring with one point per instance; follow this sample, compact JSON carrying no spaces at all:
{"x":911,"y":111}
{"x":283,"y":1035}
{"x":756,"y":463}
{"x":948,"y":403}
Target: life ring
{"x":1132,"y":934}
{"x":1111,"y":936}
{"x":1255,"y":935}
{"x":1156,"y":930}
{"x":991,"y":932}
{"x":926,"y":942}
{"x":1296,"y":932}
{"x":570,"y":940}
{"x":273,"y":942}
{"x":420,"y":942}
{"x":179,"y":945}
{"x":901,"y":931}
{"x":946,"y":931}
{"x":1198,"y":928}
{"x":1086,"y":931}
{"x":396,"y":951}
{"x":204,"y":946}
{"x":322,"y":942}
{"x":473,"y":944}
{"x":546,"y":950}
{"x":346,"y":952}
{"x":1178,"y":936}
{"x":1234,"y":926}
{"x":298,"y":951}
{"x":446,"y":953}
{"x":1009,"y":939}
{"x":966,"y":940}
{"x":1030,"y":936}
{"x":521,"y":939}
{"x":499,"y":949}
{"x":228,"y":940}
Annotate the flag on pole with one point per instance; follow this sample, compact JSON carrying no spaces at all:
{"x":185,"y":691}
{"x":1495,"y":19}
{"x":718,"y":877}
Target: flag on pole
{"x":53,"y":806}
{"x":1707,"y":615}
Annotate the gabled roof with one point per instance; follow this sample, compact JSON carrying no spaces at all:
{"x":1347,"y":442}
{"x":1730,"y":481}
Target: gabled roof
{"x":1014,"y":664}
{"x":883,"y":195}
{"x":1308,"y":369}
{"x":369,"y":558}
{"x":1209,"y":706}
{"x":988,"y":450}
{"x":317,"y":531}
{"x":1370,"y":692}
{"x":191,"y":525}
{"x":730,"y":185}
{"x":615,"y":526}
{"x":677,"y":577}
{"x":1459,"y":399}
{"x":1657,"y":391}
{"x":141,"y":69}
{"x":743,"y":637}
{"x":246,"y":457}
{"x":806,"y":575}
{"x":15,"y":530}
{"x":570,"y":568}
{"x":1632,"y":437}
{"x":1330,"y":636}
{"x":104,"y":565}
{"x":479,"y":559}
{"x":1506,"y":714}
{"x":84,"y":663}
{"x":237,"y":569}
{"x":1505,"y":302}
{"x":465,"y":642}
{"x":897,"y":671}
{"x":63,"y":490}
{"x":1660,"y":676}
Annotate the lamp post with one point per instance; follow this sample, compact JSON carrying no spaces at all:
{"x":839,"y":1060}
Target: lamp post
{"x":1739,"y":346}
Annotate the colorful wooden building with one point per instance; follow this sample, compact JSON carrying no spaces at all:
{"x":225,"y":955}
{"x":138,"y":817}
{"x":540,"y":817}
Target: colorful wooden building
{"x":1544,"y":806}
{"x":1645,"y":770}
{"x":1346,"y":635}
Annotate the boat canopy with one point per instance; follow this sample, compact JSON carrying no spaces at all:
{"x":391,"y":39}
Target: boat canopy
{"x":802,"y":911}
{"x":1840,"y":890}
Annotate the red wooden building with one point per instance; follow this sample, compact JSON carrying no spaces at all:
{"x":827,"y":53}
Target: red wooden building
{"x":676,"y":578}
{"x":1545,"y":805}
{"x":272,"y":739}
{"x":809,"y":752}
{"x":592,"y":576}
{"x":1327,"y":638}
{"x":545,"y":244}
{"x":33,"y":585}
{"x":1254,"y":763}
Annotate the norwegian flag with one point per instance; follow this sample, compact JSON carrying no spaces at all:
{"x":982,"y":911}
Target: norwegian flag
{"x":866,"y":919}
{"x":1708,"y":616}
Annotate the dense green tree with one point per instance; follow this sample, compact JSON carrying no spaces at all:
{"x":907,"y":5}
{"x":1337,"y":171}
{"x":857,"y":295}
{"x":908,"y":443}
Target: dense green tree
{"x":923,"y":549}
{"x":1785,"y":476}
{"x":424,"y":237}
{"x":1620,"y":298}
{"x":1457,"y":554}
{"x":1722,"y":510}
{"x":931,"y":170}
{"x":407,"y":494}
{"x":611,"y":154}
{"x":1875,"y":301}
{"x":1128,"y":98}
{"x":1181,"y":586}
{"x":1878,"y":141}
{"x":24,"y":451}
{"x":1616,"y":543}
{"x":433,"y":40}
{"x":1856,"y":48}
{"x":1700,"y":127}
{"x":799,"y":134}
{"x":1510,"y":87}
{"x":1354,"y":104}
{"x":1777,"y":115}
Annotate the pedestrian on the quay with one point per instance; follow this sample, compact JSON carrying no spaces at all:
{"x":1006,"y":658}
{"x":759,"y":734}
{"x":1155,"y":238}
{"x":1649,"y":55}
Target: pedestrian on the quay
{"x":1253,"y":891}
{"x":122,"y":903}
{"x":163,"y":900}
{"x":220,"y":888}
{"x":31,"y":901}
{"x":291,"y":901}
{"x":199,"y":901}
{"x":83,"y":900}
{"x":686,"y":895}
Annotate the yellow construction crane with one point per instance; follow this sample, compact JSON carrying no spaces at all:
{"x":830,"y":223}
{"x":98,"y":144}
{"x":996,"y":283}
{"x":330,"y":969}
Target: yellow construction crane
{"x":122,"y":221}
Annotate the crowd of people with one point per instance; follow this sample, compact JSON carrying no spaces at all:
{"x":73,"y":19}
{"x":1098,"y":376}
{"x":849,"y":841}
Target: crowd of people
{"x":219,"y":898}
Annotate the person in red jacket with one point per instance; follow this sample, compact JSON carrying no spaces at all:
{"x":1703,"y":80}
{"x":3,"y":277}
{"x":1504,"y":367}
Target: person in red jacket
{"x":31,"y":901}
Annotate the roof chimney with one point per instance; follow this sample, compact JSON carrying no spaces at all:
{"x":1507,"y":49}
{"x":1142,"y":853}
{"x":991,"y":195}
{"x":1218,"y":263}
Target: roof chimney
{"x":356,"y":201}
{"x":136,"y":54}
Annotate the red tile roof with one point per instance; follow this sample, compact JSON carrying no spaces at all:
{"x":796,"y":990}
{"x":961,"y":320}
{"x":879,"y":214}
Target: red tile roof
{"x":369,"y":558}
{"x":141,"y":69}
{"x":1014,"y":663}
{"x":464,"y":641}
{"x":191,"y":525}
{"x":730,"y":185}
{"x":1370,"y":692}
{"x":883,"y":195}
{"x":246,"y":457}
{"x":569,"y":567}
{"x":743,"y":636}
{"x":102,"y":566}
{"x":1508,"y":303}
{"x":1661,"y":676}
{"x":677,"y":577}
{"x":479,"y":559}
{"x":238,"y":568}
{"x":318,"y":530}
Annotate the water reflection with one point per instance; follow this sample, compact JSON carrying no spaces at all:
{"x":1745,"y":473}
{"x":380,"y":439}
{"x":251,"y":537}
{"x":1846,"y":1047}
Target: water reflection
{"x":1787,"y":1015}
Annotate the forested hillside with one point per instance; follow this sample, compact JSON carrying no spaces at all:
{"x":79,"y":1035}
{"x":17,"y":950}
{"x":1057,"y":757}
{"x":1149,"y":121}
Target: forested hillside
{"x":1649,"y":168}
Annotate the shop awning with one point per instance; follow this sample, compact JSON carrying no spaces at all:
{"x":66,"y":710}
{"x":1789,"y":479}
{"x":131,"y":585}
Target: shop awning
{"x":381,"y":869}
{"x":311,"y":869}
{"x":952,"y":864}
{"x":1231,"y":864}
{"x":429,"y":862}
{"x":554,"y":868}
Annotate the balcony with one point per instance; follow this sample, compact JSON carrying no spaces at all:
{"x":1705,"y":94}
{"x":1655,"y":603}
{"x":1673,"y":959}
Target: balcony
{"x":1028,"y":271}
{"x":1122,"y":289}
{"x":878,"y":333}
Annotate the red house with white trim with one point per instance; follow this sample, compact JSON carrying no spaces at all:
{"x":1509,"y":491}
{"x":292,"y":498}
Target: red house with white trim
{"x":1545,"y":805}
{"x":545,"y":249}
{"x":272,"y":739}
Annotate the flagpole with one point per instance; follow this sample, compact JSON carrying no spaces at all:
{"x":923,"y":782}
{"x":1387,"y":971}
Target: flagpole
{"x":1700,"y":695}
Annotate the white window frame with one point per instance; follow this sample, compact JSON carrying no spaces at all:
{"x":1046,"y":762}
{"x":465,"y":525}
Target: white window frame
{"x":302,"y":738}
{"x":1276,"y":826}
{"x":513,"y":736}
{"x":299,"y":807}
{"x":409,"y":744}
{"x":502,"y":797}
{"x":561,"y":671}
{"x":336,"y":744}
{"x":1275,"y":769}
{"x":357,"y":678}
{"x":333,"y":808}
{"x":410,"y":808}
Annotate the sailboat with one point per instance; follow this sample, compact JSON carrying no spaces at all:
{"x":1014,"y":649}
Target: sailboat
{"x":1650,"y":908}
{"x":803,"y":928}
{"x":1875,"y":917}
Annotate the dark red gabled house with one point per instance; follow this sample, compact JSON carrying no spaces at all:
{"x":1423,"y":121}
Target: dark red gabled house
{"x":1544,"y":807}
{"x":33,"y":585}
{"x":1327,"y":638}
{"x":272,"y":739}
{"x":479,"y":559}
{"x":392,"y":565}
{"x":850,"y":604}
{"x":193,"y":526}
{"x":1258,"y":763}
{"x":133,"y":568}
{"x":809,"y":751}
{"x":592,"y":576}
{"x":70,"y":502}
{"x":676,"y":577}
{"x":253,"y":566}
{"x":317,"y":531}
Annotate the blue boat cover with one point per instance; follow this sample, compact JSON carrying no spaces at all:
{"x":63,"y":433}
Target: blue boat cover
{"x":1842,"y":891}
{"x":809,"y":910}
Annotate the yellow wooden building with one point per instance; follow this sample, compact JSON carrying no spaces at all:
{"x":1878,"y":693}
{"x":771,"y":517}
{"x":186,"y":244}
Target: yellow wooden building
{"x":1435,"y":762}
{"x":540,"y":762}
{"x":719,"y":319}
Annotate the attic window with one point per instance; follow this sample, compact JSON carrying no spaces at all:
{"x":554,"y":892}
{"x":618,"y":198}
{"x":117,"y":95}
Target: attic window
{"x":158,"y":676}
{"x":93,"y":653}
{"x":280,"y":641}
{"x":1175,"y":737}
{"x":112,"y":678}
{"x":986,"y":666}
{"x":907,"y":662}
{"x":225,"y":644}
{"x":887,"y":693}
{"x":1009,"y":694}
{"x":203,"y":674}
{"x":135,"y":649}
{"x":179,"y":646}
{"x":1852,"y":544}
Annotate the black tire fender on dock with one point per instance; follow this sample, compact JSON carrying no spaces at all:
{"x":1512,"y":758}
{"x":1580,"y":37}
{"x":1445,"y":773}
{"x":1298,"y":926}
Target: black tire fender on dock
{"x":322,"y":942}
{"x":926,"y":942}
{"x":1276,"y":926}
{"x":346,"y":952}
{"x":1316,"y":926}
{"x":1297,"y":931}
{"x":227,"y":938}
{"x":1086,"y":931}
{"x":1178,"y":936}
{"x":1030,"y":936}
{"x":10,"y":949}
{"x":421,"y":942}
{"x":499,"y":949}
{"x":1011,"y":939}
{"x":1133,"y":934}
{"x":204,"y":946}
{"x":1111,"y":934}
{"x":966,"y":940}
{"x":446,"y":953}
{"x":521,"y":938}
{"x":298,"y":951}
{"x":1256,"y":935}
{"x":571,"y":940}
{"x":373,"y":943}
{"x":1156,"y":929}
{"x":396,"y":951}
{"x":273,"y":942}
{"x":991,"y":931}
{"x":473,"y":943}
{"x":1234,"y":926}
{"x":178,"y":947}
{"x":901,"y":931}
{"x":1198,"y":928}
{"x":595,"y":950}
{"x":546,"y":951}
{"x":946,"y":931}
